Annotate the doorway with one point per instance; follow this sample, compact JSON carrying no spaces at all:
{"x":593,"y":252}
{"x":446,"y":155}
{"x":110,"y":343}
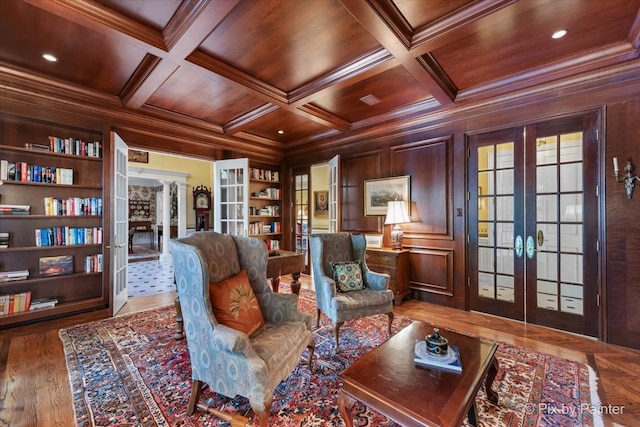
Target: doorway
{"x":533,"y":252}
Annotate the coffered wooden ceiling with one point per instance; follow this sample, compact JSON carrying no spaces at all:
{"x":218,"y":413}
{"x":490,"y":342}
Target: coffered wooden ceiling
{"x":312,"y":68}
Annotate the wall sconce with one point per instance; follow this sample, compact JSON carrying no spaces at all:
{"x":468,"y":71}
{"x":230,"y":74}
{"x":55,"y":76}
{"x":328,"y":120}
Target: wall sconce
{"x":397,"y":214}
{"x":627,"y":178}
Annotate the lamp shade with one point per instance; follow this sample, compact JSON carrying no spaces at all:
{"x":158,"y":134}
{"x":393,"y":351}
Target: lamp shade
{"x":397,"y":212}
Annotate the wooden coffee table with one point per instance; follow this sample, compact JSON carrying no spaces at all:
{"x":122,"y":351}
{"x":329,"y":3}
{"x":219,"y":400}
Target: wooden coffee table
{"x":388,"y":381}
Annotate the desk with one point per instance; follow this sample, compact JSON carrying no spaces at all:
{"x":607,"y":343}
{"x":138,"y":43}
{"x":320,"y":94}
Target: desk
{"x":136,"y":227}
{"x":285,"y":262}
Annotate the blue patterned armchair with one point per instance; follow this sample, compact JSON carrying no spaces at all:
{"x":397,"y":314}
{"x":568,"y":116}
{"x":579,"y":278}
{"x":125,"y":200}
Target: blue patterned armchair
{"x":228,"y":361}
{"x":375,"y":298}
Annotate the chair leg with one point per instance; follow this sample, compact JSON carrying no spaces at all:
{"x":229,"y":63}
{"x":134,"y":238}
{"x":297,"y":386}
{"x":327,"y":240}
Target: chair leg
{"x":311,"y":349}
{"x":336,"y":333}
{"x":196,"y":391}
{"x":390,"y":314}
{"x":263,"y":409}
{"x":317,"y":318}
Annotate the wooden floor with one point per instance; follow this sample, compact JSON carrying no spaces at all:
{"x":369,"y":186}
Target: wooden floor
{"x":34,"y":388}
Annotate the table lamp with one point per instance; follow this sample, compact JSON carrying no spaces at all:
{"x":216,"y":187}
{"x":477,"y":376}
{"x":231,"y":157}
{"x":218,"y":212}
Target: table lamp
{"x":397,"y":213}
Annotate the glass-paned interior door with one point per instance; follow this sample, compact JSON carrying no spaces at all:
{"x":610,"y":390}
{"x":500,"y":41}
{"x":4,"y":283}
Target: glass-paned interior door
{"x":532,"y":246}
{"x":498,"y":279}
{"x":301,"y":210}
{"x":231,"y":191}
{"x":561,"y":246}
{"x":334,"y":194}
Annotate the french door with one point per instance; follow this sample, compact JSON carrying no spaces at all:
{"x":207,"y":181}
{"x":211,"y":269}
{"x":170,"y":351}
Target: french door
{"x":231,"y":196}
{"x":533,"y":246}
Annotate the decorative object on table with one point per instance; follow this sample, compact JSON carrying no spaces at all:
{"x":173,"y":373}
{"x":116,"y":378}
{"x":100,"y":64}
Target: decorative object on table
{"x":379,"y":192}
{"x":373,"y":240}
{"x":130,"y":361}
{"x":202,"y":206}
{"x":437,"y":345}
{"x":449,"y":362}
{"x":397,"y":214}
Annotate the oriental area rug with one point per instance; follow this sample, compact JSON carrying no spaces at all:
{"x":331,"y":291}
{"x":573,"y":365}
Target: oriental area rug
{"x":130,"y":371}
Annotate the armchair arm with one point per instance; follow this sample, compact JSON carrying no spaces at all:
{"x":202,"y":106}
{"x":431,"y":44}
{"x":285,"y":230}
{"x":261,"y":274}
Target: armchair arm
{"x":282,"y":308}
{"x":376,"y":281}
{"x":229,"y":339}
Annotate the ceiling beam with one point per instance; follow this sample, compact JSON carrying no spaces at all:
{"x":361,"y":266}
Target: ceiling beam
{"x":371,"y":20}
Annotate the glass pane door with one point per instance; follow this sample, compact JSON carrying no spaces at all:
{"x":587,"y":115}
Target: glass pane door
{"x":231,"y":189}
{"x":301,"y":209}
{"x":497,"y":282}
{"x":532,"y":245}
{"x":561,"y":261}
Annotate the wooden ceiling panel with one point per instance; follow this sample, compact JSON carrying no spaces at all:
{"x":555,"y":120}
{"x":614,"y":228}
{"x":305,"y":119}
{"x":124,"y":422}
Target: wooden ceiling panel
{"x":288,"y":43}
{"x":85,"y":57}
{"x":393,"y":89}
{"x":202,"y":95}
{"x":518,"y":38}
{"x":295,"y":127}
{"x":152,"y":13}
{"x":247,"y":68}
{"x":422,"y":13}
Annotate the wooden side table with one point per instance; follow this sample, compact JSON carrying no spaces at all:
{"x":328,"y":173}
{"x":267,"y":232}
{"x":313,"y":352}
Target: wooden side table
{"x":395,"y":263}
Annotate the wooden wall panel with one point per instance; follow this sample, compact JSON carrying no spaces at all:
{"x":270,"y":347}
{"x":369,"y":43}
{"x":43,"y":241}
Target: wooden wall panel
{"x":432,"y":270}
{"x":621,"y":272}
{"x":354,"y":169}
{"x":429,"y":165}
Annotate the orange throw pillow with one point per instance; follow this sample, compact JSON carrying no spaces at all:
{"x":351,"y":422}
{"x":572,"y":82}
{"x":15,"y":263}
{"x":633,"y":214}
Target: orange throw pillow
{"x":235,"y":305}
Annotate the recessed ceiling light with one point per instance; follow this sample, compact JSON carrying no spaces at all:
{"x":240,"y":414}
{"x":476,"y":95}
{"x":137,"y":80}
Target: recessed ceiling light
{"x":280,"y":132}
{"x":370,"y":100}
{"x":49,"y":57}
{"x":559,"y":34}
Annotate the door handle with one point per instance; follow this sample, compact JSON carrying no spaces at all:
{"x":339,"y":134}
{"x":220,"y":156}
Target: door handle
{"x":531,"y":247}
{"x":518,"y":246}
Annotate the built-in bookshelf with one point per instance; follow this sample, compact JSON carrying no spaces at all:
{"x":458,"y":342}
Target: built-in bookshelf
{"x":265,"y":206}
{"x":50,"y":212}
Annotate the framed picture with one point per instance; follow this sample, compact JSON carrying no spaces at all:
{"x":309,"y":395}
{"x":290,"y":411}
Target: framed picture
{"x":373,"y":240}
{"x":377,"y":192}
{"x":138,"y":156}
{"x":321,"y":200}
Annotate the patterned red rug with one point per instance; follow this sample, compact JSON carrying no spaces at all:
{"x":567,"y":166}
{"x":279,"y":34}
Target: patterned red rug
{"x":130,"y":371}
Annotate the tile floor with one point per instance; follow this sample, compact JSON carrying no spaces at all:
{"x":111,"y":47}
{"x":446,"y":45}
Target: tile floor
{"x":150,"y":277}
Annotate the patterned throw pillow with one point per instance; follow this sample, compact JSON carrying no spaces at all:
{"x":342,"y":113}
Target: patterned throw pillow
{"x":348,"y":276}
{"x":235,"y":305}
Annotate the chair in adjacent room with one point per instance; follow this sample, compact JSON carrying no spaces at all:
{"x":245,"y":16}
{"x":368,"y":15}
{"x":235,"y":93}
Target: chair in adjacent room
{"x":243,"y":338}
{"x":345,"y":287}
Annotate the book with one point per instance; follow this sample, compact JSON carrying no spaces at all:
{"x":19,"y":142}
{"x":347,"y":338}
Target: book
{"x":56,"y":265}
{"x":449,"y":363}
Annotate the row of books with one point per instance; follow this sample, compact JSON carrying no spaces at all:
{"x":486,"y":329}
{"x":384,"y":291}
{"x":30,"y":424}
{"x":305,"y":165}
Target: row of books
{"x":65,"y":235}
{"x":15,"y":209}
{"x":267,"y":210}
{"x":20,"y":302}
{"x":268,"y":193}
{"x":23,"y":171}
{"x":74,"y":146}
{"x":4,"y":239}
{"x":260,"y":227}
{"x":10,"y":276}
{"x":15,"y":303}
{"x":93,"y":263}
{"x":73,"y":206}
{"x":264,"y":174}
{"x":272,"y":244}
